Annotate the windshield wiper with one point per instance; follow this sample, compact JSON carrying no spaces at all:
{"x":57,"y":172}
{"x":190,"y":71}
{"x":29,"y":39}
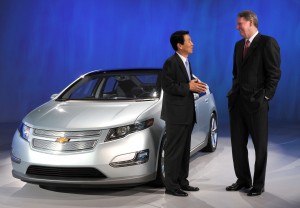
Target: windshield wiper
{"x":61,"y":99}
{"x":145,"y":99}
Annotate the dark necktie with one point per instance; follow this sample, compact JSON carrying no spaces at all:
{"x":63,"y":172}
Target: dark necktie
{"x":246,"y":49}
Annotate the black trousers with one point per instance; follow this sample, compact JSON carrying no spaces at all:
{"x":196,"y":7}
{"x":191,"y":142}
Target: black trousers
{"x":177,"y":155}
{"x":243,"y":124}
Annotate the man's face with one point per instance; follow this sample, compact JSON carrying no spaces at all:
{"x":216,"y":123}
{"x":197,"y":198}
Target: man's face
{"x":187,"y":47}
{"x":244,"y":27}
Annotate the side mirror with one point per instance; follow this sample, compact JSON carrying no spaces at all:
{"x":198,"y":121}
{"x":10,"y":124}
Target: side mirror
{"x":207,"y":91}
{"x":53,"y":96}
{"x":196,"y":96}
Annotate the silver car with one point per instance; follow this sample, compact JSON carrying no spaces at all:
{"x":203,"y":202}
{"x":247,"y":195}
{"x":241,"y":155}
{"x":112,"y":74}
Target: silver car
{"x":104,"y":129}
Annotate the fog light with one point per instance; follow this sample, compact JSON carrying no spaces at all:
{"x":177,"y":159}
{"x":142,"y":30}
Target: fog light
{"x":139,"y":158}
{"x":142,"y":156}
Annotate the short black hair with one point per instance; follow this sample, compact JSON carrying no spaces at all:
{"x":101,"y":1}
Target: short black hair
{"x":177,"y":37}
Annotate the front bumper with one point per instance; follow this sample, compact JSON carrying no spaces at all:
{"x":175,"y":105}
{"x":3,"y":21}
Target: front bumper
{"x":100,"y":158}
{"x":107,"y":182}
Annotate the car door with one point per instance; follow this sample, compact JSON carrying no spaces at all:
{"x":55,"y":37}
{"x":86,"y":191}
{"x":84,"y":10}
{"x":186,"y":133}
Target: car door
{"x":203,"y":118}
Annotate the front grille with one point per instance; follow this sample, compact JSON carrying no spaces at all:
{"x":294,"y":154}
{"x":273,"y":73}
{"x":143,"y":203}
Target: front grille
{"x":65,"y":172}
{"x":50,"y":133}
{"x":63,"y":147}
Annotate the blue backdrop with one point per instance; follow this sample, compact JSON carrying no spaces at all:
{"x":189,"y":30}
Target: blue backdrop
{"x":46,"y":44}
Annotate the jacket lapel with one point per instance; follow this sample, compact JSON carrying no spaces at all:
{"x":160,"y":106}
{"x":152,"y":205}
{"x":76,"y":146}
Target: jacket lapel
{"x":252,"y":47}
{"x":239,"y":53}
{"x":182,"y":66}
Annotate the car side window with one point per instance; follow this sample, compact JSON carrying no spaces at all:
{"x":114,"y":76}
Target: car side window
{"x":85,"y":90}
{"x":110,"y":85}
{"x":109,"y":88}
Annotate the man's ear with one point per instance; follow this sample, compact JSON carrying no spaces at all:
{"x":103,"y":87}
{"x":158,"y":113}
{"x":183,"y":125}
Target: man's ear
{"x":179,"y":46}
{"x":251,"y":23}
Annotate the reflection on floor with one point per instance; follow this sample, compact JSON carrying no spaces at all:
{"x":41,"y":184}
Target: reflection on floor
{"x":211,"y":172}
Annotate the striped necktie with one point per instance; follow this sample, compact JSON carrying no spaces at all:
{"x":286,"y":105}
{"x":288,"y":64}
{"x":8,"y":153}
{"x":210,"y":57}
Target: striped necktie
{"x":187,"y":67}
{"x":246,"y":48}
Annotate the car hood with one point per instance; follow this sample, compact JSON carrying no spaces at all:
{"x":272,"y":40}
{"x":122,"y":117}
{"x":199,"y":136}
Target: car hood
{"x":83,"y":115}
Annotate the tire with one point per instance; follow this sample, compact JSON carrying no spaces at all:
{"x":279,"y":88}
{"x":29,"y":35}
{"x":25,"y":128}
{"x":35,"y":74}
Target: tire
{"x":160,"y":176}
{"x":212,"y":136}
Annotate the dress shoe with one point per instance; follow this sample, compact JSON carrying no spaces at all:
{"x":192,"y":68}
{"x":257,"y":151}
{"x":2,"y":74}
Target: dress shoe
{"x":256,"y":191}
{"x":237,"y":186}
{"x":176,"y":192}
{"x":189,"y":188}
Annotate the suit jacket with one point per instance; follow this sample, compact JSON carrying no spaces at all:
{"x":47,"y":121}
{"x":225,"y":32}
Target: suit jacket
{"x":257,"y":75}
{"x":178,"y":101}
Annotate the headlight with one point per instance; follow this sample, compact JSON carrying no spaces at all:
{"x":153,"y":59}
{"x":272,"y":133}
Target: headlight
{"x":120,"y":132}
{"x":24,"y":131}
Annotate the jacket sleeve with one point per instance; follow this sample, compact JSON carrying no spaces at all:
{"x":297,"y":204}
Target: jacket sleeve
{"x":234,"y":72}
{"x":272,"y":66}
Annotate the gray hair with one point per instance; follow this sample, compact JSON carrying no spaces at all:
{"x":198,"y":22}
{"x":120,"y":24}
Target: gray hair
{"x":249,"y":15}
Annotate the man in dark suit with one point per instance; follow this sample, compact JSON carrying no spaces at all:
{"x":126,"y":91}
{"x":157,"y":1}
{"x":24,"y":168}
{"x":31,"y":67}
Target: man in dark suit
{"x":256,"y":73}
{"x":178,"y":111}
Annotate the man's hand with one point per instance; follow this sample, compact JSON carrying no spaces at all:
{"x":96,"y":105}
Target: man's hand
{"x":197,"y":86}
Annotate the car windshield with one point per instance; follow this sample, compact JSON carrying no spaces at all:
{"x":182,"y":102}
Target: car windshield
{"x":115,"y":85}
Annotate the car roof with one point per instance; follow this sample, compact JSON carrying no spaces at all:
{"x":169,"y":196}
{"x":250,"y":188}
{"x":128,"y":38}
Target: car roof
{"x":99,"y":71}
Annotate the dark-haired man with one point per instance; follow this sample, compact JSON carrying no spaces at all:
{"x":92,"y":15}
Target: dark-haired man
{"x":178,"y":111}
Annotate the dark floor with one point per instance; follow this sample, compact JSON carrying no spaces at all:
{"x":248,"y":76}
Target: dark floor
{"x":211,"y":172}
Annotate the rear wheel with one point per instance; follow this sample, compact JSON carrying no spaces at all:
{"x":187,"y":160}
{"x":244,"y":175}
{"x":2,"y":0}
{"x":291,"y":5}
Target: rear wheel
{"x":212,"y":135}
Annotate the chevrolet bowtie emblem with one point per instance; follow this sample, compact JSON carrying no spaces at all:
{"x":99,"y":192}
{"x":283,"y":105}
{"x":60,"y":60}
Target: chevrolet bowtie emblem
{"x":62,"y":140}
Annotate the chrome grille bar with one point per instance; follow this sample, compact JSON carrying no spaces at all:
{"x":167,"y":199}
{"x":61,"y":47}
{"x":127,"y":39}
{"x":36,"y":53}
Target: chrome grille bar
{"x":50,"y":133}
{"x":63,"y":147}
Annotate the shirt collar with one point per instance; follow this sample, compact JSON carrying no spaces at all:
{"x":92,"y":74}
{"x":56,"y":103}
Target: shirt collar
{"x":252,"y":37}
{"x":182,"y":58}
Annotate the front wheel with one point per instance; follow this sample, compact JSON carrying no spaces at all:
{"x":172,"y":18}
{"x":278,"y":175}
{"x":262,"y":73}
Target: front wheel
{"x":212,"y":136}
{"x":160,"y":176}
